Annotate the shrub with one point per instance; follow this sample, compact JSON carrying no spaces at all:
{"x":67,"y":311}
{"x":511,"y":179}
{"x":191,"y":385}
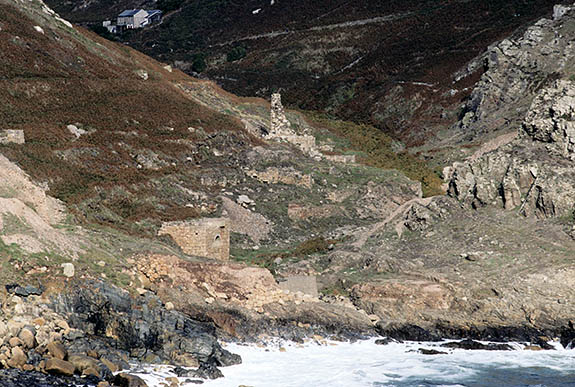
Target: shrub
{"x":312,"y":246}
{"x":199,"y":63}
{"x":378,"y":147}
{"x":103,"y":32}
{"x":236,"y":53}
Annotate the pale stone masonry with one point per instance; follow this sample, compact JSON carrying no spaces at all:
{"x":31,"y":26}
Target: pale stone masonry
{"x":280,"y":125}
{"x":207,"y":237}
{"x":12,"y":136}
{"x":281,"y":129}
{"x":306,"y":284}
{"x":344,"y":159}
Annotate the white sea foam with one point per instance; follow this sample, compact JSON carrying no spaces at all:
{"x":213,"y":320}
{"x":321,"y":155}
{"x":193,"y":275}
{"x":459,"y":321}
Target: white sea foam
{"x":367,"y":364}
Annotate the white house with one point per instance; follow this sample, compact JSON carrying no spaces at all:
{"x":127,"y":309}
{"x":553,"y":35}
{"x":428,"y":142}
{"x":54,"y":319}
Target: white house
{"x":110,"y":27}
{"x":132,"y":18}
{"x":138,"y":18}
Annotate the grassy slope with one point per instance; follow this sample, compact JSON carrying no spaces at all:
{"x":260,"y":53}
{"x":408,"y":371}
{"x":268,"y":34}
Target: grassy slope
{"x":66,"y":76}
{"x":378,"y":151}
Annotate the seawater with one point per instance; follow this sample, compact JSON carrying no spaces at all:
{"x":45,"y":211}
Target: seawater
{"x":397,"y":364}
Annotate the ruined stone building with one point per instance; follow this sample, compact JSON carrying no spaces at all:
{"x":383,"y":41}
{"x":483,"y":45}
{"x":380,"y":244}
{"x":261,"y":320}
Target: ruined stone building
{"x":280,"y":125}
{"x":12,"y":136}
{"x":281,"y":129}
{"x":207,"y":237}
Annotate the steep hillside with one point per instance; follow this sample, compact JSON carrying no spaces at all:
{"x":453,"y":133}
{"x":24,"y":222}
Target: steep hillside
{"x":100,"y":146}
{"x":92,"y":111}
{"x":393,"y":64}
{"x":125,"y":144}
{"x":108,"y":145}
{"x":119,"y":137}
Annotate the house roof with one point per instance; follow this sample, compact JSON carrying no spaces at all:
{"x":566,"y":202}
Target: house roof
{"x":154,"y":12}
{"x":130,"y":12}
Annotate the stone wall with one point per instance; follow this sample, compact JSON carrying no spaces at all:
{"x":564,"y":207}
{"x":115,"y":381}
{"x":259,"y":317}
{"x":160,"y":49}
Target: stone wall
{"x":299,"y":212}
{"x":208,"y":237}
{"x":305,"y":284}
{"x":287,"y":176}
{"x":281,"y":129}
{"x":345,"y":159}
{"x":280,"y":125}
{"x":12,"y":136}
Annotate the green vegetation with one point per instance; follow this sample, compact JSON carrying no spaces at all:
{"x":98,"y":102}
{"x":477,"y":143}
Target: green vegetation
{"x":103,"y":32}
{"x":199,"y":63}
{"x":266,"y":257}
{"x":313,"y":246}
{"x":236,"y":53}
{"x":568,"y":219}
{"x":337,"y":289}
{"x":378,"y":149}
{"x":15,"y":263}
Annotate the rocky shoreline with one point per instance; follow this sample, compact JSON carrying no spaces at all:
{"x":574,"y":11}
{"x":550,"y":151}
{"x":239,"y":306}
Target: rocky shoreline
{"x":93,"y":333}
{"x":92,"y":286}
{"x":94,"y":330}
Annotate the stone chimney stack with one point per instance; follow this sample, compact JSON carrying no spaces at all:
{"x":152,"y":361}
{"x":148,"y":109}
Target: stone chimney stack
{"x":280,"y":126}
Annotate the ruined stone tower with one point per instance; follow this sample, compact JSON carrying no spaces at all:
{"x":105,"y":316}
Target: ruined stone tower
{"x":281,"y":129}
{"x":280,"y":125}
{"x":209,"y":237}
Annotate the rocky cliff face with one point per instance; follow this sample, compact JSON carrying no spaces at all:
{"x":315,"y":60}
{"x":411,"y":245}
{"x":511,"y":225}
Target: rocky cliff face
{"x":532,"y":174}
{"x":517,"y":68}
{"x":527,"y":90}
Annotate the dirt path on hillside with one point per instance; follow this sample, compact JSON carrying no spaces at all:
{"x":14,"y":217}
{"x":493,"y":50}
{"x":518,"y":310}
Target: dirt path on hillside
{"x":364,"y":236}
{"x":353,"y":23}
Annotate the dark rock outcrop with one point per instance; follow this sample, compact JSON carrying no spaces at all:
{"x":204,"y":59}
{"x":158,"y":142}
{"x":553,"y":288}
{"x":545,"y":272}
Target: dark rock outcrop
{"x":17,"y":378}
{"x":407,"y":332}
{"x":141,"y":327}
{"x":24,"y":291}
{"x":127,"y":380}
{"x":475,"y":345}
{"x":425,"y":351}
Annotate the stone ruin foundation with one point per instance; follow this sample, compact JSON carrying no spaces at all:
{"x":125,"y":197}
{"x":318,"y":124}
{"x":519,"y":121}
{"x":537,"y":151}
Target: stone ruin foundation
{"x":207,"y":237}
{"x":281,"y":129}
{"x":12,"y":136}
{"x":306,"y":284}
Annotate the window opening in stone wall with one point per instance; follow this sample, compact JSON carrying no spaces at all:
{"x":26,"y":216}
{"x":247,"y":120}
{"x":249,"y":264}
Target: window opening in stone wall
{"x":217,"y":242}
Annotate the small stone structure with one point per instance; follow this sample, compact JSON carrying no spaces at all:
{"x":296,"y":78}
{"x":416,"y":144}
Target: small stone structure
{"x":344,"y":159}
{"x":305,"y":284}
{"x":281,"y":129}
{"x":288,"y":176}
{"x":299,"y":212}
{"x":280,"y":125}
{"x":207,"y":237}
{"x":12,"y":136}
